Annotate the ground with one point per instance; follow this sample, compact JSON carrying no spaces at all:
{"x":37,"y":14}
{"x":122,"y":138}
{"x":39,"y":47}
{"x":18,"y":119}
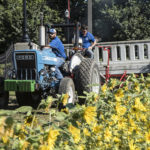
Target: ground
{"x":19,"y":116}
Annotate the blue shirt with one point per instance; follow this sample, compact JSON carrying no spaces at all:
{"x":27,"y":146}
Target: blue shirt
{"x":56,"y":43}
{"x":87,"y":39}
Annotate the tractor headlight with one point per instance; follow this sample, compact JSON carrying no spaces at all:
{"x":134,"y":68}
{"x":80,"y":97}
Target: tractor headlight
{"x":53,"y":69}
{"x":42,"y":72}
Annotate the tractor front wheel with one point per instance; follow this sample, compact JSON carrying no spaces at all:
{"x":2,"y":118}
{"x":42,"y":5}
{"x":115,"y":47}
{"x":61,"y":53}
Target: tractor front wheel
{"x":4,"y":96}
{"x":67,"y":87}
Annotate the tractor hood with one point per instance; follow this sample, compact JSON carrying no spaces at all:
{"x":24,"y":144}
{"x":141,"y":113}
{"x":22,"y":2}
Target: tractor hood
{"x":45,"y":56}
{"x":39,"y":57}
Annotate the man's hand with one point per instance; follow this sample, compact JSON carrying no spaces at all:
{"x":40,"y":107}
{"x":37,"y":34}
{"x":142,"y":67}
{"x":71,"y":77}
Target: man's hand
{"x":90,"y":48}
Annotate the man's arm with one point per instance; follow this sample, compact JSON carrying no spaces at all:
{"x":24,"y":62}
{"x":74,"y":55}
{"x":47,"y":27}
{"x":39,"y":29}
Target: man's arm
{"x":92,"y":44}
{"x":93,"y":41}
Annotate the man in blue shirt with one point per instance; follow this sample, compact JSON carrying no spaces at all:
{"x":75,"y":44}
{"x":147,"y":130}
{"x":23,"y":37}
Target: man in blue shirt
{"x":88,"y":41}
{"x":58,"y":49}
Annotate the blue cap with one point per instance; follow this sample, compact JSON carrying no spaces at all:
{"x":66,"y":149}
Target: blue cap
{"x":52,"y":31}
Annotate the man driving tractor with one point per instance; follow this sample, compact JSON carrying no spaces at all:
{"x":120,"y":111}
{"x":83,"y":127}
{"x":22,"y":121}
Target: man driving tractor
{"x":88,"y":41}
{"x":58,"y":49}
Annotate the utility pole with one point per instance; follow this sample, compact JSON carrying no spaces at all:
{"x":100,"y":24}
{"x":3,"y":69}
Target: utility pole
{"x":67,"y":15}
{"x":25,"y":37}
{"x":90,"y":16}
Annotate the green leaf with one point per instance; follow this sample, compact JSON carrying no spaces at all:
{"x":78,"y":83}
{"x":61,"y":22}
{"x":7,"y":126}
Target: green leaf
{"x":70,"y":106}
{"x":7,"y":112}
{"x":34,"y":139}
{"x":24,"y":109}
{"x":9,"y":121}
{"x":61,"y":116}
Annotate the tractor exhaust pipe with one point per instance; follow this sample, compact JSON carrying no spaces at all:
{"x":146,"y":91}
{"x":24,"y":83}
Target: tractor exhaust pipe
{"x":25,"y":37}
{"x":42,"y":32}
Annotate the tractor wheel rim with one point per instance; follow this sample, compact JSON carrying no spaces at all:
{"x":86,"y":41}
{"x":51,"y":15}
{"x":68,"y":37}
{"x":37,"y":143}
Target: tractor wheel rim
{"x":70,"y":93}
{"x":95,"y":81}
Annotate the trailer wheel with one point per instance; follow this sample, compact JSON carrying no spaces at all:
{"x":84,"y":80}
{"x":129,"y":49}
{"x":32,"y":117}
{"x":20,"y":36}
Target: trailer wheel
{"x":88,"y":78}
{"x":67,"y":86}
{"x":4,"y":96}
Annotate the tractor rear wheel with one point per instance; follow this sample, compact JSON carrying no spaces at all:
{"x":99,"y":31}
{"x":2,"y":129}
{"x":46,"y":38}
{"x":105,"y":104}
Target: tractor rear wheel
{"x":67,"y":87}
{"x":88,"y":78}
{"x":4,"y":96}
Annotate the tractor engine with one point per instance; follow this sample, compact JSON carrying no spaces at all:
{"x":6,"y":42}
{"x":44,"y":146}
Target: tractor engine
{"x":34,"y":70}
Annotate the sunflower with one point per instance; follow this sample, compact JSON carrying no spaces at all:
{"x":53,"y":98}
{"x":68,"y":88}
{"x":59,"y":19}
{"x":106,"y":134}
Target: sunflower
{"x":52,"y":137}
{"x":81,"y":147}
{"x":116,"y":139}
{"x":113,"y":83}
{"x":143,"y":117}
{"x":65,"y":110}
{"x":147,"y":137}
{"x":126,"y":88}
{"x":75,"y":133}
{"x":44,"y":147}
{"x":65,"y":99}
{"x":78,"y":123}
{"x":137,"y":87}
{"x":139,"y":105}
{"x":120,"y":110}
{"x":119,"y":94}
{"x":132,"y":145}
{"x":95,"y":97}
{"x":114,"y":118}
{"x":5,"y":139}
{"x":90,"y":114}
{"x":29,"y":119}
{"x":107,"y":134}
{"x":104,"y":88}
{"x":86,"y":132}
{"x":122,"y":123}
{"x":97,"y":128}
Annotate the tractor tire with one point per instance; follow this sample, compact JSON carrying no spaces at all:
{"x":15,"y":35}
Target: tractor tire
{"x":67,"y":86}
{"x":75,"y":62}
{"x":23,"y":98}
{"x":35,"y":99}
{"x":28,"y":99}
{"x":4,"y":96}
{"x":87,"y":78}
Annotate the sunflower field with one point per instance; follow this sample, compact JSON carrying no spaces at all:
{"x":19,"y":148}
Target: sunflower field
{"x":116,"y":119}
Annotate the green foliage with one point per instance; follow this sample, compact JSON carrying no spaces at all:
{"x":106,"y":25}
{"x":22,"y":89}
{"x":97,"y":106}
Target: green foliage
{"x":122,"y":20}
{"x":113,"y":20}
{"x":11,"y":18}
{"x":117,"y":118}
{"x":78,"y":9}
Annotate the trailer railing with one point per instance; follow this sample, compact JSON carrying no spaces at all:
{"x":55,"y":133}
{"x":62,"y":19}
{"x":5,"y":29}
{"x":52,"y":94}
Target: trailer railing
{"x":129,"y":56}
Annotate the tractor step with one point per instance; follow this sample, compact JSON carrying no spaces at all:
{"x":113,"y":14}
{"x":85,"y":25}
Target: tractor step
{"x":19,"y":85}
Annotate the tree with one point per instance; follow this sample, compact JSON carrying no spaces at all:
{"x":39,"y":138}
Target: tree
{"x":122,"y":20}
{"x":78,"y":12}
{"x":11,"y":17}
{"x":78,"y":9}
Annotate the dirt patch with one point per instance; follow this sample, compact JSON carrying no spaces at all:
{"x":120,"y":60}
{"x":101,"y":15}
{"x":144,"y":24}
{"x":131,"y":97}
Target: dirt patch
{"x":42,"y":117}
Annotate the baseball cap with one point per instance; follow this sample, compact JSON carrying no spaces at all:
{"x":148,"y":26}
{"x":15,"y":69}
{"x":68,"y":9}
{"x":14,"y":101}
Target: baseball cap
{"x":52,"y":31}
